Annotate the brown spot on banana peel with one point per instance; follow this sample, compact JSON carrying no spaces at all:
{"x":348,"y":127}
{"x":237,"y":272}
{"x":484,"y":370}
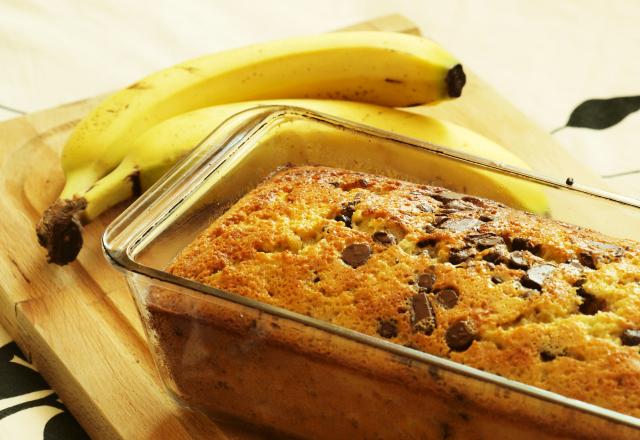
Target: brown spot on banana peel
{"x":60,"y":230}
{"x":455,"y":80}
{"x":139,"y":86}
{"x":136,"y":185}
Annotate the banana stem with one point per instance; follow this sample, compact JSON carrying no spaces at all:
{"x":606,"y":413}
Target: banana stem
{"x":60,"y":228}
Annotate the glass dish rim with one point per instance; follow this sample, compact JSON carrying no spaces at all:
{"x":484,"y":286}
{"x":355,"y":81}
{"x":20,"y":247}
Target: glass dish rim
{"x":119,"y":256}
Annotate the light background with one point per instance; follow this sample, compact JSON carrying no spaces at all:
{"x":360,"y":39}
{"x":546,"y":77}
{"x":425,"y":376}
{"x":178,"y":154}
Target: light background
{"x":545,"y":56}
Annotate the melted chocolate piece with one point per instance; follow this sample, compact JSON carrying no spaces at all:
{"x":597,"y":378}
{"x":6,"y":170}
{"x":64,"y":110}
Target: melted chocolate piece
{"x":426,"y":281}
{"x":440,"y":219}
{"x":388,"y":328}
{"x":475,"y":200}
{"x":458,"y":205}
{"x":427,"y":242}
{"x":517,"y":260}
{"x":630,"y":337}
{"x":486,"y":218}
{"x":349,"y":208}
{"x":521,"y":244}
{"x":383,"y":237}
{"x":461,"y":224}
{"x":587,"y":260}
{"x":457,"y":256}
{"x":590,"y":303}
{"x":356,"y":254}
{"x":423,"y":319}
{"x":344,"y":219}
{"x":579,"y":282}
{"x":496,"y":280}
{"x":496,"y":256}
{"x":534,"y":278}
{"x":609,"y":248}
{"x":447,"y":297}
{"x":485,"y":241}
{"x":446,"y":196}
{"x":546,"y":356}
{"x":460,"y":336}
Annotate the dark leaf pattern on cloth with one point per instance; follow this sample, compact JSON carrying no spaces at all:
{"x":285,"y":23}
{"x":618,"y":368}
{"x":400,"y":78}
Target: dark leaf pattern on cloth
{"x":599,"y":114}
{"x":17,"y":381}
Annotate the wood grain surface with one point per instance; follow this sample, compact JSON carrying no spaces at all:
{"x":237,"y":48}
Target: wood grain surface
{"x":78,"y":324}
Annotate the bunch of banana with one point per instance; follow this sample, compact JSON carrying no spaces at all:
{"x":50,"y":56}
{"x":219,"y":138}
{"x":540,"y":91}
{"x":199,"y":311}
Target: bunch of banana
{"x":159,"y":148}
{"x":383,"y":68}
{"x":136,"y":134}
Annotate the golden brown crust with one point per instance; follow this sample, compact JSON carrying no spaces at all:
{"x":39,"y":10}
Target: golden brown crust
{"x":532,"y":299}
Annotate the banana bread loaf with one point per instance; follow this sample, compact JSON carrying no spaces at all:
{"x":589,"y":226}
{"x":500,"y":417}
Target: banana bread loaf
{"x":532,"y":299}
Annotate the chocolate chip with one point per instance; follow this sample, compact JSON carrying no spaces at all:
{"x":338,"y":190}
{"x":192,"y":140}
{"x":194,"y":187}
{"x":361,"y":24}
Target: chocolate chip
{"x":457,"y":256}
{"x":426,"y":281}
{"x":495,"y":257}
{"x":485,"y":241}
{"x":383,"y":237}
{"x":424,"y":207}
{"x":447,"y":297}
{"x":423,"y":319}
{"x":348,"y":209}
{"x":458,"y":205}
{"x":587,"y":260}
{"x":535,"y":276}
{"x":613,"y":249}
{"x":356,"y":254}
{"x":523,"y":244}
{"x":496,"y":280}
{"x":546,"y":356}
{"x":344,"y":219}
{"x":517,"y":260}
{"x":475,"y":200}
{"x":428,"y":228}
{"x":460,"y":336}
{"x":461,"y":224}
{"x":630,"y":337}
{"x":486,"y":218}
{"x":427,"y":242}
{"x":446,"y":211}
{"x":446,"y":196}
{"x":590,"y":304}
{"x":579,"y":282}
{"x":520,"y":244}
{"x":439,"y":219}
{"x":388,"y":328}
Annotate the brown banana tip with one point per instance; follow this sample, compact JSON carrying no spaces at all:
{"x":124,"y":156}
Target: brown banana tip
{"x":456,"y":79}
{"x":60,"y":230}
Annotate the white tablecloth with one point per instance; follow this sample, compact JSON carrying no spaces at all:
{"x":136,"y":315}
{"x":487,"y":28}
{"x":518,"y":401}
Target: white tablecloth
{"x":547,"y":57}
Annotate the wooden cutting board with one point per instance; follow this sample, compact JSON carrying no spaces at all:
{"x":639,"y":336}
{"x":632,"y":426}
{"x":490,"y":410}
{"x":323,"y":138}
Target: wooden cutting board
{"x":78,"y":324}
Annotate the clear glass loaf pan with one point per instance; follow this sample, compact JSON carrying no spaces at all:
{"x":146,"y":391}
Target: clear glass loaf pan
{"x":241,"y":360}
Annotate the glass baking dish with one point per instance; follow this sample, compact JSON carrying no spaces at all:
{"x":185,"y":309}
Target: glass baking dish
{"x":240,"y":360}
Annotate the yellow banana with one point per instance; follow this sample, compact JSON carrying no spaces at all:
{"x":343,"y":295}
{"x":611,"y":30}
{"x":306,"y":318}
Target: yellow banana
{"x":384,"y":68}
{"x":153,"y":153}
